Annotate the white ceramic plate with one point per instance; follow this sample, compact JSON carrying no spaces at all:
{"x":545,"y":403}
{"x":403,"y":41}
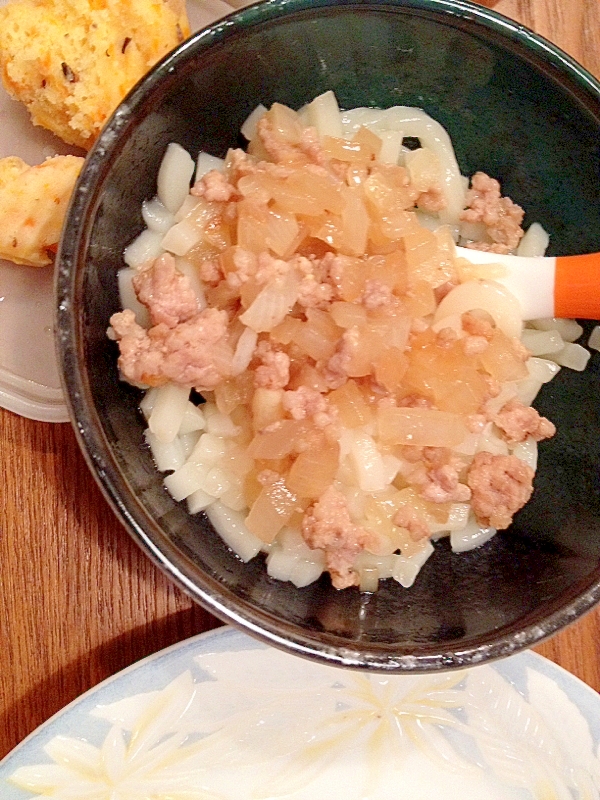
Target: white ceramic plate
{"x":29,"y":377}
{"x":223,"y":717}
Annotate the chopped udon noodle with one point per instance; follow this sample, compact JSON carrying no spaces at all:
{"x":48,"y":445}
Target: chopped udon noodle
{"x":366,"y":391}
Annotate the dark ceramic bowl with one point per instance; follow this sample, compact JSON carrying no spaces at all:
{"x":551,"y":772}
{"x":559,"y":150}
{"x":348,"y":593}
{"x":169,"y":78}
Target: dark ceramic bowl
{"x":515,"y":107}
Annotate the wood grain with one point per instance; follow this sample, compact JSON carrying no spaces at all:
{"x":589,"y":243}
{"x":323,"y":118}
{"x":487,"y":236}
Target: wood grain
{"x":78,"y":599}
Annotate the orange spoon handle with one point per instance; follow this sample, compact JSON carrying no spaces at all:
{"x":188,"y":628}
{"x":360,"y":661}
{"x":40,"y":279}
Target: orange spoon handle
{"x":577,"y":286}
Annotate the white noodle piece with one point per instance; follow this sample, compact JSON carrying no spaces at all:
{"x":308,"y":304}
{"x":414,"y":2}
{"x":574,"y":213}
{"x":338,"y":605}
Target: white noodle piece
{"x":174,"y":176}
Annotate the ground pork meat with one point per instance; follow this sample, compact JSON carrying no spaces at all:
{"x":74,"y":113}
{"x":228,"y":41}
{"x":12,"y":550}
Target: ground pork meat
{"x":327,"y":526}
{"x":315,"y":291}
{"x":166,"y":292}
{"x":312,"y":147}
{"x":475,"y":325}
{"x":475,"y":345}
{"x":335,"y":371}
{"x":502,"y":218}
{"x":313,"y":294}
{"x":500,"y":486}
{"x":519,"y":422}
{"x":377,"y":295}
{"x":245,"y":265}
{"x":442,"y":486}
{"x":210,"y":271}
{"x":269,"y":268}
{"x":407,"y":518}
{"x":273,"y":372}
{"x":214,"y":186}
{"x":432,"y":200}
{"x":306,"y":403}
{"x":194,"y":353}
{"x":435,"y":474}
{"x":281,"y":150}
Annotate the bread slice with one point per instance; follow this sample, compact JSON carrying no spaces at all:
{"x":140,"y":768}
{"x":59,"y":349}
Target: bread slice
{"x":33,"y":203}
{"x":72,"y":61}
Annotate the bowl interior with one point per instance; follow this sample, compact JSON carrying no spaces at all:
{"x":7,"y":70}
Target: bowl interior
{"x":514,"y":110}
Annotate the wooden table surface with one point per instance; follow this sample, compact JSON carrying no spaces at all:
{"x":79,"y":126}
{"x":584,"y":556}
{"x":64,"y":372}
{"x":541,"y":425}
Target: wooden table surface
{"x":79,"y":601}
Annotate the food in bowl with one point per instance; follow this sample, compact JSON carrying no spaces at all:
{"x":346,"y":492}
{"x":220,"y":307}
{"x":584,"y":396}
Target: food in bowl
{"x":353,"y":410}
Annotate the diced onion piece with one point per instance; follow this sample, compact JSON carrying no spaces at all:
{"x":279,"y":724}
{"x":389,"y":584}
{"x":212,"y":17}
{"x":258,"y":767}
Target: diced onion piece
{"x":569,"y":329}
{"x":279,"y":441}
{"x":500,"y":304}
{"x":458,"y":517}
{"x":494,"y":404}
{"x":324,"y":115}
{"x":314,"y":469}
{"x":186,"y":480}
{"x":527,"y":451}
{"x":199,"y":501}
{"x":244,"y":350}
{"x":271,"y":510}
{"x":167,"y":455}
{"x":542,"y":369}
{"x":573,"y":356}
{"x":594,"y":340}
{"x":128,"y":297}
{"x":232,"y":529}
{"x":206,"y":163}
{"x":181,"y":237}
{"x":538,"y":342}
{"x":168,"y":411}
{"x":174,"y":176}
{"x":424,"y":168}
{"x":406,"y":568}
{"x":272,"y":303}
{"x":490,"y":442}
{"x":422,"y":427}
{"x":391,"y":147}
{"x":145,"y":247}
{"x":248,"y":129}
{"x":367,"y":462}
{"x":471,"y":536}
{"x":156,"y":216}
{"x":535,"y":241}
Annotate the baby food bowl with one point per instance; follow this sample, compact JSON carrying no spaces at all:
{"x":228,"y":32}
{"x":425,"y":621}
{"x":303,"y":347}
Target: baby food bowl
{"x":515,"y":107}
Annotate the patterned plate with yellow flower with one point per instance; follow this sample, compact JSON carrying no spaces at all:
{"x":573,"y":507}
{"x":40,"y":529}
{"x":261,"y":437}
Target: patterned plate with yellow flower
{"x":223,"y":717}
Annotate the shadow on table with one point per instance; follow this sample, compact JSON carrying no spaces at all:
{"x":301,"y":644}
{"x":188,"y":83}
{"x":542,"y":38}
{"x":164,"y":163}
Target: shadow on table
{"x":53,"y":693}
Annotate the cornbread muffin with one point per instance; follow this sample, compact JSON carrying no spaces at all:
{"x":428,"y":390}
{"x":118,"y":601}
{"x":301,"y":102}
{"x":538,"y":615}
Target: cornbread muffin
{"x":33,"y":202}
{"x":72,"y":61}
